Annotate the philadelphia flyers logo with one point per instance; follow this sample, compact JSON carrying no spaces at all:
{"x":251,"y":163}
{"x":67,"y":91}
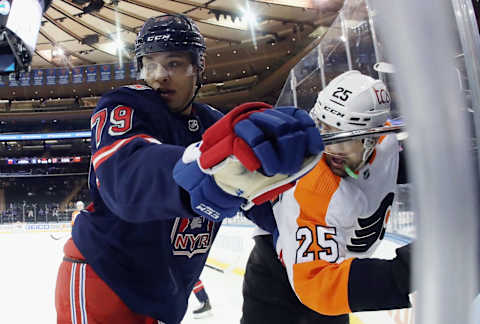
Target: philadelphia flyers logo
{"x":372,"y":228}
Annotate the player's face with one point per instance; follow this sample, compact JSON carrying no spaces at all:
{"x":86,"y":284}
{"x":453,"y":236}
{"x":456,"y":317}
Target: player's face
{"x":173,"y":76}
{"x":339,"y":156}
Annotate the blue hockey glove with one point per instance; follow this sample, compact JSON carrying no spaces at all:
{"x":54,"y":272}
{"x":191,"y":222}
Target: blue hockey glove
{"x":268,"y":140}
{"x":281,"y":138}
{"x":206,"y":197}
{"x":254,"y":153}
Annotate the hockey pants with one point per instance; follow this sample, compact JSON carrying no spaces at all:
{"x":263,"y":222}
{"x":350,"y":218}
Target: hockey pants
{"x":82,"y":297}
{"x":268,"y":296}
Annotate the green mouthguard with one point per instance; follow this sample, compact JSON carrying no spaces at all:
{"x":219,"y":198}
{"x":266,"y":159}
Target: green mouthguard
{"x":350,"y":172}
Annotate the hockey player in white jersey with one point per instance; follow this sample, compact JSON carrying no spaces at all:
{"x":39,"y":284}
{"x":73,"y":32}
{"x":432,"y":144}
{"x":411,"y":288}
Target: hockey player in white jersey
{"x":311,"y":264}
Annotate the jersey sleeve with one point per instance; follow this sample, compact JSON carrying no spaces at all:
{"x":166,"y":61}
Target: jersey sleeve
{"x":322,"y":276}
{"x":133,"y":168}
{"x":262,"y":216}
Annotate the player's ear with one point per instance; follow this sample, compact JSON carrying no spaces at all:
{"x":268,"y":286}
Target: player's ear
{"x":202,"y":64}
{"x":199,"y":66}
{"x":200,"y":69}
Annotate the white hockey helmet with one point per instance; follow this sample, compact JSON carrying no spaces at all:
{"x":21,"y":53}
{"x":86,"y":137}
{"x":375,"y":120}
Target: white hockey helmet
{"x":352,"y":101}
{"x":79,"y":205}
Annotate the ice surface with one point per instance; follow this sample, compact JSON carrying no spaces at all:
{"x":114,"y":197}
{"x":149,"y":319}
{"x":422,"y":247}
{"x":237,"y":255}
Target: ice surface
{"x":29,"y":264}
{"x":28,"y":271}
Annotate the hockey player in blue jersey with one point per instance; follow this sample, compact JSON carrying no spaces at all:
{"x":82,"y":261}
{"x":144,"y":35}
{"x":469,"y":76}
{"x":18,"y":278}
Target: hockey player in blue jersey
{"x":204,"y":310}
{"x":137,"y":251}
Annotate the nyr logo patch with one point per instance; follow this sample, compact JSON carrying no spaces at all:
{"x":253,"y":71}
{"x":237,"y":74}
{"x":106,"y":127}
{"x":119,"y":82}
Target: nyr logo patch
{"x":191,"y":236}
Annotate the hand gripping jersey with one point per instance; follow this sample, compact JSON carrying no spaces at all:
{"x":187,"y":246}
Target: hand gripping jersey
{"x":140,"y":234}
{"x":327,"y":225}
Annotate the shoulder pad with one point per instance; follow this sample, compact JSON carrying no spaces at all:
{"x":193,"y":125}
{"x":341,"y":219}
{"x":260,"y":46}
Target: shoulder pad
{"x":209,"y":109}
{"x":146,"y":100}
{"x":206,"y":106}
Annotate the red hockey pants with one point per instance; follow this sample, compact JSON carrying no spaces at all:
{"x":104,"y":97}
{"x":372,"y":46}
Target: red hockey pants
{"x":81,"y":297}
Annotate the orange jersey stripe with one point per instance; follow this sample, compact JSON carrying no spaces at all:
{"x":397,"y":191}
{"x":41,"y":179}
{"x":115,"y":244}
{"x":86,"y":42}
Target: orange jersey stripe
{"x":314,"y":192}
{"x":320,"y":285}
{"x":323,"y":286}
{"x":74,"y":215}
{"x":380,"y":140}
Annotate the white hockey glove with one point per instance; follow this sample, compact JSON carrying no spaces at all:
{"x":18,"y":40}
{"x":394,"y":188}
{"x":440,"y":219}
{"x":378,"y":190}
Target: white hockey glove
{"x":232,"y":176}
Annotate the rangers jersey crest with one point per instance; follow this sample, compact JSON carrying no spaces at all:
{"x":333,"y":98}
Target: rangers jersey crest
{"x":191,"y":236}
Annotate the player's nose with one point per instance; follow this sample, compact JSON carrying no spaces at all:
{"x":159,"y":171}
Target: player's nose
{"x":336,"y":149}
{"x":164,"y":78}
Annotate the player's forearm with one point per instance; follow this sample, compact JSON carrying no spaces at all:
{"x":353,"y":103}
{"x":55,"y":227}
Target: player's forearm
{"x":262,"y":216}
{"x":372,"y":286}
{"x":137,"y":184}
{"x":350,"y":286}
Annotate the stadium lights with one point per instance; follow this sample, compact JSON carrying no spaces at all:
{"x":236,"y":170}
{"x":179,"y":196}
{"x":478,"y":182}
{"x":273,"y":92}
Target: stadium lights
{"x":115,"y":47}
{"x":119,"y":45}
{"x":57,"y":51}
{"x":251,"y":18}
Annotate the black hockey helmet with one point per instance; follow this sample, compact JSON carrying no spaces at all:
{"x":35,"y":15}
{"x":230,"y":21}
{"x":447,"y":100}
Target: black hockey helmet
{"x":170,"y":33}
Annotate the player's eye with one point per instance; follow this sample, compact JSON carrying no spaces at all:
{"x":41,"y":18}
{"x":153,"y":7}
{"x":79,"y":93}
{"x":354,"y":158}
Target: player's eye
{"x":175,"y":64}
{"x":151,"y":67}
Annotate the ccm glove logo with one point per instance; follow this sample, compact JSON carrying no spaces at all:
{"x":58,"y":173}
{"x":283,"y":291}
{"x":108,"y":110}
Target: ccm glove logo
{"x":208,"y":211}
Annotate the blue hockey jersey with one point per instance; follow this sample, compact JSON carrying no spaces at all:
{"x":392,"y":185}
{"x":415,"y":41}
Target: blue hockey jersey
{"x":141,"y":236}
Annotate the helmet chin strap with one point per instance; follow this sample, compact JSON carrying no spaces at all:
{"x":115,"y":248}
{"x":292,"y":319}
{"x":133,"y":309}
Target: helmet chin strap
{"x":369,"y":146}
{"x":198,"y":86}
{"x":191,"y":100}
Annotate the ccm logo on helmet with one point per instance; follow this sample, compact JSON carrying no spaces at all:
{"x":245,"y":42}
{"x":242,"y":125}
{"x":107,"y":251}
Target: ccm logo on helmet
{"x":382,"y":96}
{"x":158,"y":38}
{"x":333,"y":111}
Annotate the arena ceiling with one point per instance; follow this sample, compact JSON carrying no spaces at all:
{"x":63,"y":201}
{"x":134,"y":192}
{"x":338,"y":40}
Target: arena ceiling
{"x":251,"y":45}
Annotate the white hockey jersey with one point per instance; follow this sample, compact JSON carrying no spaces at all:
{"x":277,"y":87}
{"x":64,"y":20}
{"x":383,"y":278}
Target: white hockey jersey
{"x":326,"y":221}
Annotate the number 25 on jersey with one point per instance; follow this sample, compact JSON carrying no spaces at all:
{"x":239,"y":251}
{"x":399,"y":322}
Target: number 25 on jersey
{"x":328,"y":247}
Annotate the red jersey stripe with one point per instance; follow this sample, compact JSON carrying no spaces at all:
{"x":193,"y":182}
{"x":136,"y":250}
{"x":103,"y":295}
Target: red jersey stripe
{"x":106,"y":152}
